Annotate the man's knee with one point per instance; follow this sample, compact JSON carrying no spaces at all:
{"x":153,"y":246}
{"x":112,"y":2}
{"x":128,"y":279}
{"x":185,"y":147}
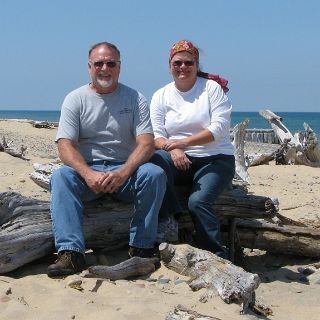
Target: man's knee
{"x":154,"y":172}
{"x":61,"y":175}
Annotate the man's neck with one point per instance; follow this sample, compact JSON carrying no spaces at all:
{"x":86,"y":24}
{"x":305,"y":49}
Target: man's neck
{"x":102,"y":90}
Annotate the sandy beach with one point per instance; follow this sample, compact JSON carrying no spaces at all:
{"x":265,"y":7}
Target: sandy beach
{"x":28,"y":293}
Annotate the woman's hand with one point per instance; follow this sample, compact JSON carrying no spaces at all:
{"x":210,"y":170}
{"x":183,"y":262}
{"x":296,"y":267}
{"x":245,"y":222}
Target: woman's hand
{"x":180,"y":159}
{"x":175,"y":144}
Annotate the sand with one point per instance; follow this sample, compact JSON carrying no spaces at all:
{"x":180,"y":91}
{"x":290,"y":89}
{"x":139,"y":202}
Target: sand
{"x":28,"y":293}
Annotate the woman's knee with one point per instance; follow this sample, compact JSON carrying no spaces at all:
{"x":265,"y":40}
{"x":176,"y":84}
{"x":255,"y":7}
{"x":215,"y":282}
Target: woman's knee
{"x":160,"y":158}
{"x":194,"y":203}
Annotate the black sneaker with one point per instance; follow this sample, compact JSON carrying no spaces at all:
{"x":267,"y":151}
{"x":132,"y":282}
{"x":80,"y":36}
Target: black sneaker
{"x":68,"y":262}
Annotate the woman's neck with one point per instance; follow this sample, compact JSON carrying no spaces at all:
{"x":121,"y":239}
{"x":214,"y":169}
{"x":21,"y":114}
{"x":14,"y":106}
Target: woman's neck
{"x":185,"y":86}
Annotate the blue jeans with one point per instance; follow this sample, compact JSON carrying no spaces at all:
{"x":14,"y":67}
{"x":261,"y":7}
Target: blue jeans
{"x":145,"y":188}
{"x":209,"y":176}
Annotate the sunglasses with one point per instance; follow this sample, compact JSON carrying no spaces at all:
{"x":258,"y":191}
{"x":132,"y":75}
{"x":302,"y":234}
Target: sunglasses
{"x":179,"y":63}
{"x":99,"y":64}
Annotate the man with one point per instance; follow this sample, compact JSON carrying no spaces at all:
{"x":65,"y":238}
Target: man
{"x":105,"y":139}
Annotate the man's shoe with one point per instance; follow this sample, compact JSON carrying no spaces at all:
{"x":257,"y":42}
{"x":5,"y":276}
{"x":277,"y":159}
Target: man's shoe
{"x":68,"y":262}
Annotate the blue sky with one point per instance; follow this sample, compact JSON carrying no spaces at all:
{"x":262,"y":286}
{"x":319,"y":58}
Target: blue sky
{"x":268,"y":50}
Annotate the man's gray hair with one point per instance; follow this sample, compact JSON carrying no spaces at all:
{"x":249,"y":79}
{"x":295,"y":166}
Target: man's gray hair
{"x":108,"y":44}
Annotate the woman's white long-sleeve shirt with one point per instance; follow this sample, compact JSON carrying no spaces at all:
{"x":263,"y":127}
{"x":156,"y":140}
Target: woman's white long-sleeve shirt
{"x":177,"y":115}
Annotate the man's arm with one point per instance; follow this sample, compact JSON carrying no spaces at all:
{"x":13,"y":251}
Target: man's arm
{"x":143,"y":151}
{"x":70,"y":155}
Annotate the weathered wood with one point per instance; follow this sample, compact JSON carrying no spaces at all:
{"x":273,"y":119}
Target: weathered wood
{"x":234,"y":202}
{"x":181,"y":312}
{"x":42,"y":173}
{"x":312,"y":148}
{"x":261,"y":136}
{"x":207,"y":270}
{"x":259,"y":159}
{"x":259,"y":234}
{"x":239,"y":132}
{"x":132,"y":267}
{"x":279,"y":239}
{"x":42,"y":124}
{"x":5,"y":147}
{"x":26,"y":232}
{"x":282,"y":132}
{"x":300,"y":148}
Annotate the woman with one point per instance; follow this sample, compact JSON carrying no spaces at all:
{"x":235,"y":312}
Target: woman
{"x":191,"y":122}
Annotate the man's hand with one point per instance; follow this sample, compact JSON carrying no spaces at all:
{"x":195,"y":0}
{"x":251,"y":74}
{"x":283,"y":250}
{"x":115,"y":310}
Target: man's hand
{"x":180,"y":159}
{"x":107,"y":182}
{"x":93,"y":179}
{"x":110,"y":181}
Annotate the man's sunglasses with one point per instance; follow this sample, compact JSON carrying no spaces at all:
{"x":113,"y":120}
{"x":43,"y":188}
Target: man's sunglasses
{"x":179,"y":63}
{"x":99,"y":64}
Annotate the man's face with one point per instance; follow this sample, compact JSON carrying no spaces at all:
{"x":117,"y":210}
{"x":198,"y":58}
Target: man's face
{"x":104,"y":68}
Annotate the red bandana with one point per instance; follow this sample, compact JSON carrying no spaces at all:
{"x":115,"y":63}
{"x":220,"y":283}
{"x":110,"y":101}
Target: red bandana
{"x":184,"y":45}
{"x":188,"y":46}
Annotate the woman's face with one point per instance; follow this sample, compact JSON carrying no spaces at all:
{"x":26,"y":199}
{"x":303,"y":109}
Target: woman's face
{"x":183,"y":67}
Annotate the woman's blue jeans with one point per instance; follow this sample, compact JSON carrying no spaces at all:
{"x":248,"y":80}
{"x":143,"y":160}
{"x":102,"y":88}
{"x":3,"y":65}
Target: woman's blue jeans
{"x":145,"y":188}
{"x":209,"y":176}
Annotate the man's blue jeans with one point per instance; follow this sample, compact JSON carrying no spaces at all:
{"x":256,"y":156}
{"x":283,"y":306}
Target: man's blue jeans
{"x":209,"y":176}
{"x":145,"y":188}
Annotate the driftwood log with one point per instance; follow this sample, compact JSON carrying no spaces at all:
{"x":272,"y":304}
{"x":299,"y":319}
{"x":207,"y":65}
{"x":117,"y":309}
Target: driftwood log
{"x":299,"y":148}
{"x":42,"y":124}
{"x":26,"y":232}
{"x":206,"y":270}
{"x":7,"y":148}
{"x":132,"y":267}
{"x":234,"y":202}
{"x":279,"y":239}
{"x":253,"y":160}
{"x":274,"y":237}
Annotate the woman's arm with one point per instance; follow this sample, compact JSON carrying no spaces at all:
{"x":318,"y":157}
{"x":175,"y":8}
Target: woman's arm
{"x":202,"y":137}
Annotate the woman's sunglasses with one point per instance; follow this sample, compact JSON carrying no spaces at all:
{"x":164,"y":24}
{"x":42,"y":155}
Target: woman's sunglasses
{"x":179,"y":63}
{"x":99,"y":64}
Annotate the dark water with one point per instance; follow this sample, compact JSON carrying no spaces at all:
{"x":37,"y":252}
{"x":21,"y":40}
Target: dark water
{"x":292,"y":120}
{"x":51,"y":116}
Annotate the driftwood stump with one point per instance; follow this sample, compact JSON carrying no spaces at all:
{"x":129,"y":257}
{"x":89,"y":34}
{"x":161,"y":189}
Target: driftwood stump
{"x":239,"y":132}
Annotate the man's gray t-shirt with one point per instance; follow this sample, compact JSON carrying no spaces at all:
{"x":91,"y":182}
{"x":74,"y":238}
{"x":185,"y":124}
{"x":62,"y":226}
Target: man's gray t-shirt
{"x":104,"y":126}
